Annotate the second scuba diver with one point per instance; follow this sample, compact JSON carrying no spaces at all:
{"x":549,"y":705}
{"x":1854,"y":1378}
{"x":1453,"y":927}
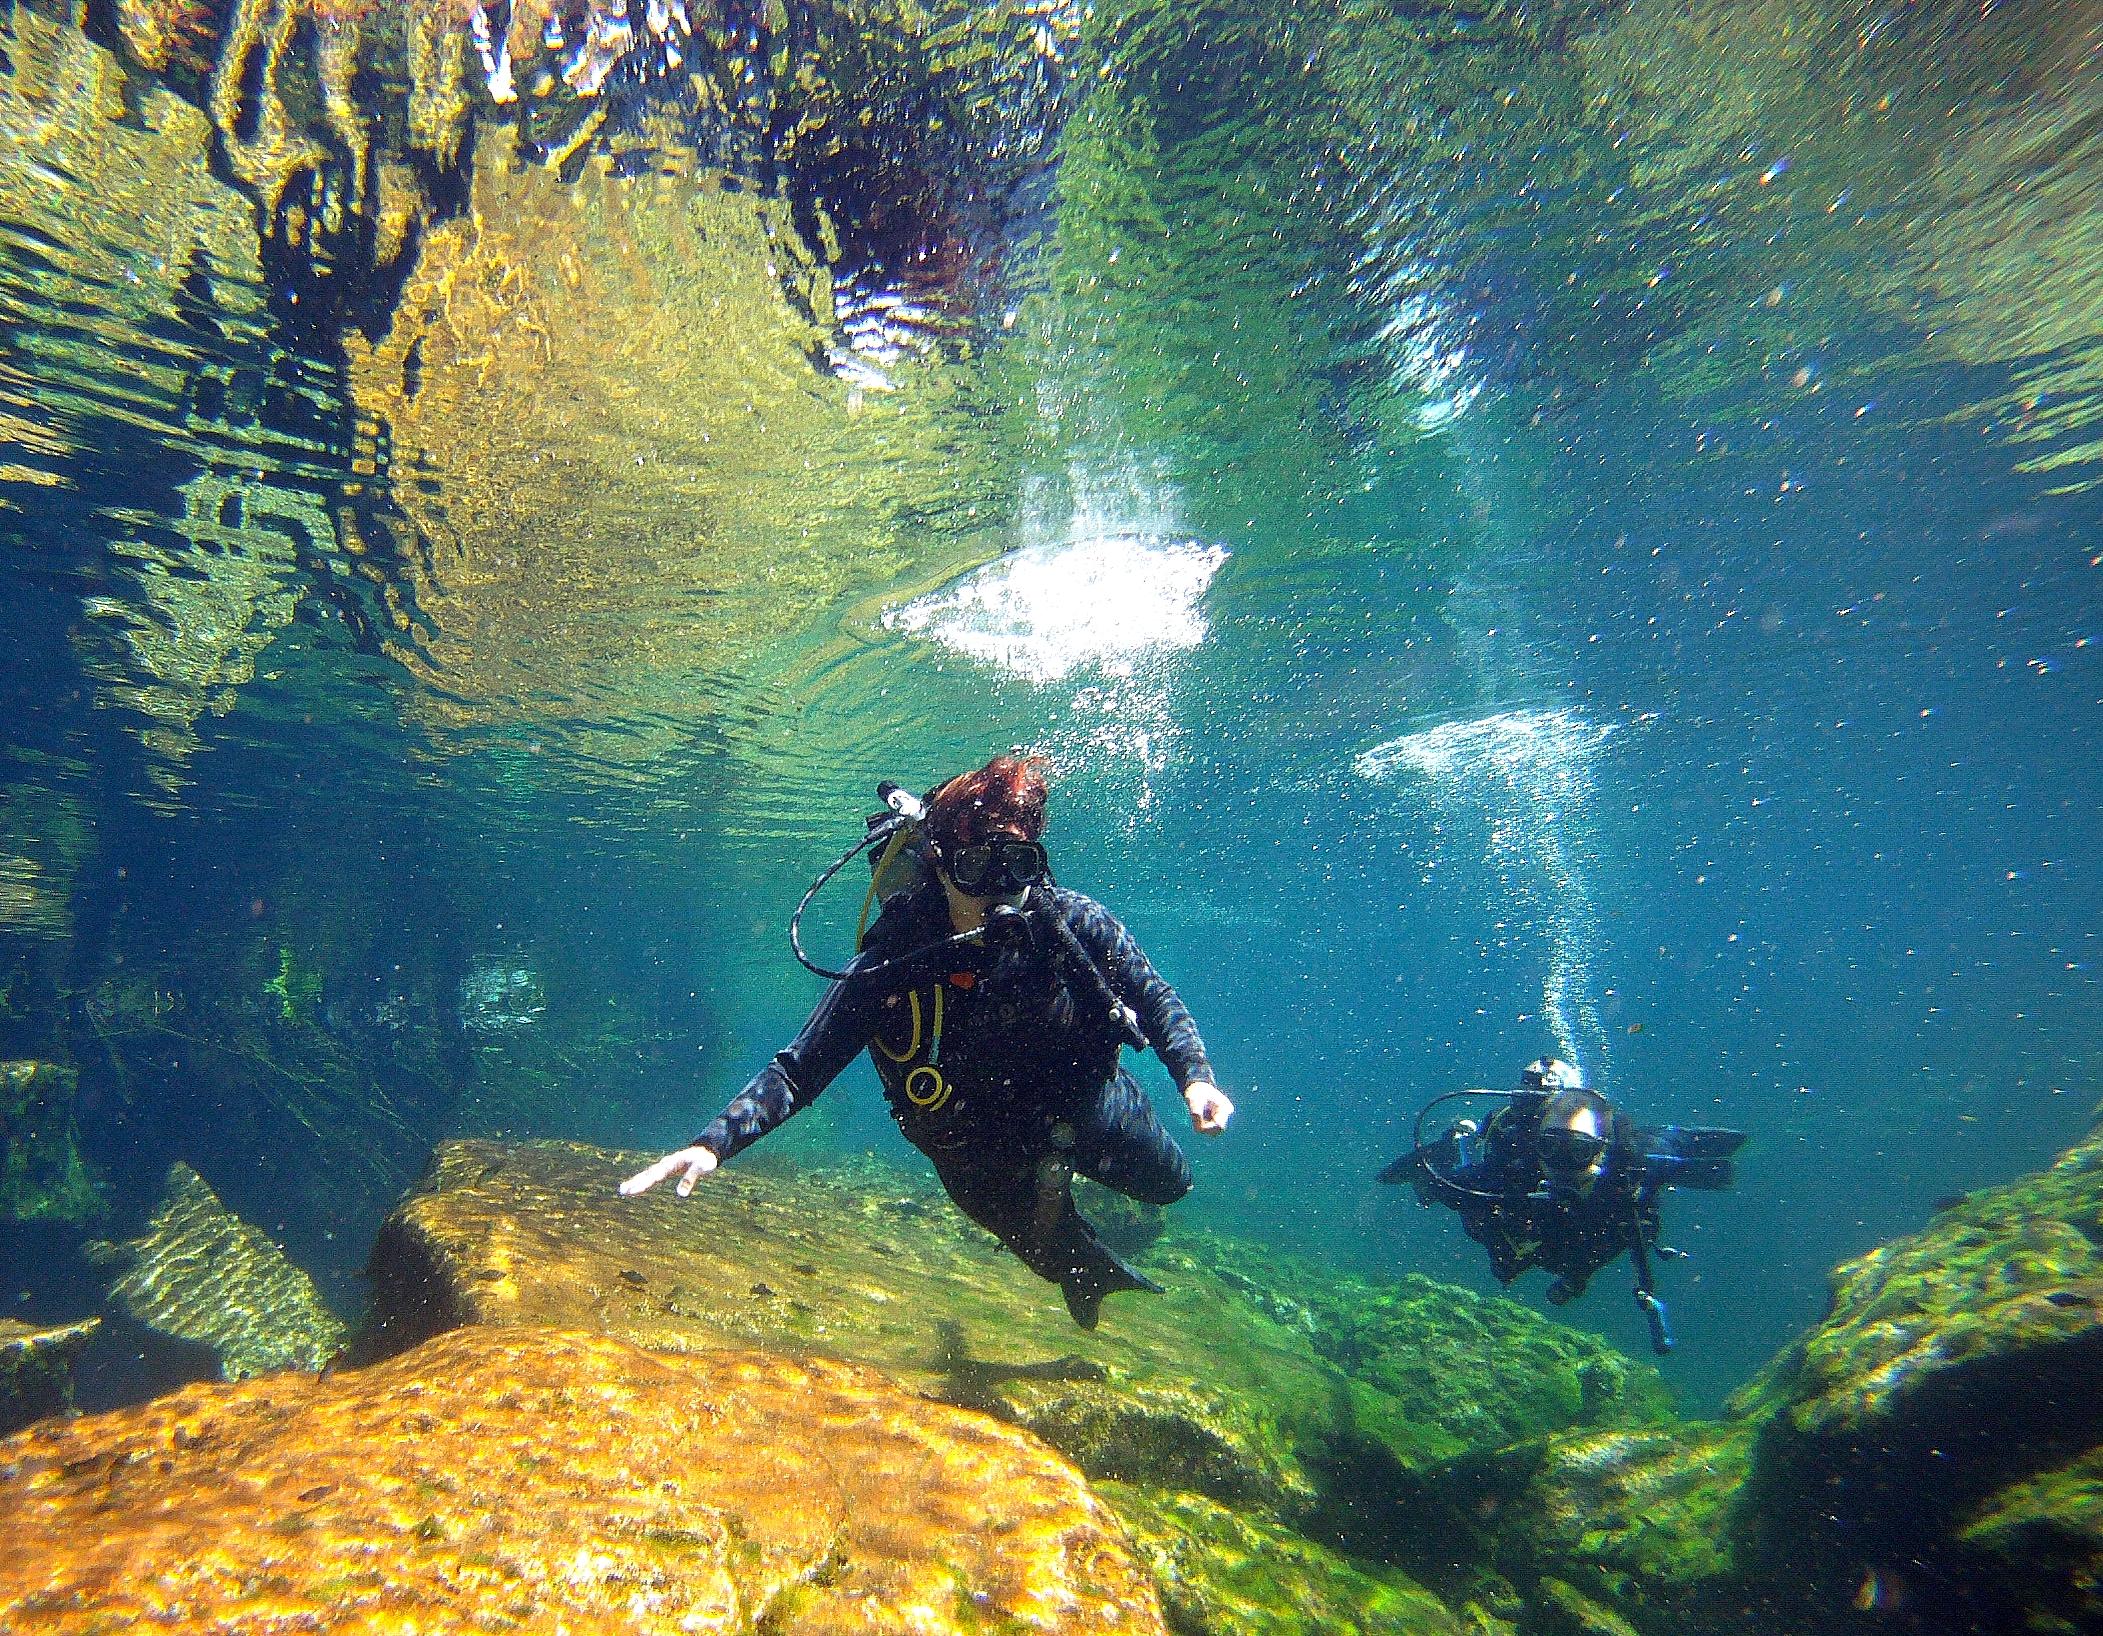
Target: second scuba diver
{"x":994,"y":1005}
{"x":1559,"y":1178}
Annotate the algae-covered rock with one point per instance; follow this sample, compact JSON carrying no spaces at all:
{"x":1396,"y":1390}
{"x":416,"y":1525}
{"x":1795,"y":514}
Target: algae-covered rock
{"x":201,"y":1273}
{"x":43,"y":1176}
{"x":1953,"y":1360}
{"x":2043,"y":1539}
{"x":36,"y":1369}
{"x":1436,"y":1370}
{"x":1190,"y":1390}
{"x":1225,"y":1573}
{"x":1597,"y":1530}
{"x":542,"y":1482}
{"x":1930,"y":1447}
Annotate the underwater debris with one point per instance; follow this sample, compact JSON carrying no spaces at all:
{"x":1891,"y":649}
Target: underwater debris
{"x":201,"y":1273}
{"x":543,"y":1481}
{"x":36,"y":1370}
{"x":43,"y":1175}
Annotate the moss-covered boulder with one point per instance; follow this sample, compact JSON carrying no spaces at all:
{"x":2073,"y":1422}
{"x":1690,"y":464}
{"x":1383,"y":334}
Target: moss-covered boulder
{"x":1436,"y":1371}
{"x":2040,"y":1541}
{"x":1216,"y":1388}
{"x":538,"y":1482}
{"x":1944,"y":1408}
{"x":36,"y":1369}
{"x":1226,"y":1573}
{"x":43,"y":1175}
{"x":1600,"y":1530}
{"x":1192,"y":1390}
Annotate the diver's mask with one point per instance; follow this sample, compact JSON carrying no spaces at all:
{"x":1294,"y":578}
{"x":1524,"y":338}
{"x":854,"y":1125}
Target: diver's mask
{"x":1573,"y":1140}
{"x":999,"y":868}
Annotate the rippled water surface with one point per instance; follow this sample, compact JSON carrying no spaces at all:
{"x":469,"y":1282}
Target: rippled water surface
{"x":1572,"y":529}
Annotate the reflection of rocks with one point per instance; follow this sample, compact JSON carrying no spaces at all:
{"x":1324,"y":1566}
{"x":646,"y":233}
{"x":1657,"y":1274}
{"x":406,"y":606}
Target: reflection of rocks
{"x":596,"y":399}
{"x":202,"y":1274}
{"x":545,"y":1482}
{"x":1222,"y":1573}
{"x":43,"y":1176}
{"x":36,"y":1370}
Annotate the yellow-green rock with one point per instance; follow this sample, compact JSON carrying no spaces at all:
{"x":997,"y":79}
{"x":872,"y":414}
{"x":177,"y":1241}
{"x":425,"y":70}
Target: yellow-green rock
{"x":36,"y":1369}
{"x":201,"y":1273}
{"x":1226,"y":1573}
{"x":543,"y":1483}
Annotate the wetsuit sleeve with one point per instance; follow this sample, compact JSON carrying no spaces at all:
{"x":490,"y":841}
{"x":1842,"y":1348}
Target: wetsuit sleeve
{"x":841,"y":1025}
{"x":1169,"y":1027}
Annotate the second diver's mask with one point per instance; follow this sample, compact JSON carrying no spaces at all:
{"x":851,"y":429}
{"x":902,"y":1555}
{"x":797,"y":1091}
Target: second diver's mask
{"x":1574,"y":1140}
{"x":1001,"y":867}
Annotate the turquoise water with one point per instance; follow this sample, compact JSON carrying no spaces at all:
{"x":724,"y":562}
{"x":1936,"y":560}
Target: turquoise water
{"x":1565,"y":533}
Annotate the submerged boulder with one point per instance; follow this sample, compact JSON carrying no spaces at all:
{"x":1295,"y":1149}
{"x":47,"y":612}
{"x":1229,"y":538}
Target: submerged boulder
{"x":36,"y":1369}
{"x":542,"y":1482}
{"x":1226,"y":1573}
{"x":1192,"y":1390}
{"x":1917,"y":1444}
{"x":1208,"y":1389}
{"x":200,"y":1273}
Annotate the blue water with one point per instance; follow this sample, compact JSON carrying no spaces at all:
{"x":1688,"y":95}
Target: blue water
{"x":1471,"y":611}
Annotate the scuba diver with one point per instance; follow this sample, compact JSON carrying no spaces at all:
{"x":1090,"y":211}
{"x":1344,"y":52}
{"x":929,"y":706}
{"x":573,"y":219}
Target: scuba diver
{"x":994,"y":1004}
{"x":1560,"y":1178}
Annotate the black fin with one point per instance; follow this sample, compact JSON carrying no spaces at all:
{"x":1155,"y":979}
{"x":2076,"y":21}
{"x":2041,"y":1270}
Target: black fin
{"x":1402,"y":1170}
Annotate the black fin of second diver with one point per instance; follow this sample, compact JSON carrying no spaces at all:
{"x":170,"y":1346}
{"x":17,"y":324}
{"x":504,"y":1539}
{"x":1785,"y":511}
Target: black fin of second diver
{"x":1402,"y":1169}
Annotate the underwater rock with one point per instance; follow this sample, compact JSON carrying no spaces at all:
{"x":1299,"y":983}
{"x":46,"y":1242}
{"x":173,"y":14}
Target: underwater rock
{"x":43,"y":1176}
{"x":1191,"y":1390}
{"x":36,"y":1370}
{"x":1604,"y":1530}
{"x":1944,"y":1406}
{"x":1226,"y":1573}
{"x":2042,"y":1539}
{"x":1437,"y":1370}
{"x":201,"y":1273}
{"x":544,"y":1482}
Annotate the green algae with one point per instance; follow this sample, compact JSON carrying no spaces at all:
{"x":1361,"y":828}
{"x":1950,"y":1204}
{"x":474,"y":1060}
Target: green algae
{"x":43,"y":1174}
{"x":297,"y":985}
{"x":1435,"y":1370}
{"x":1227,"y":1573}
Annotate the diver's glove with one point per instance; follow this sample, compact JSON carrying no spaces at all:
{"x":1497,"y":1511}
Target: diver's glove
{"x":695,"y":1161}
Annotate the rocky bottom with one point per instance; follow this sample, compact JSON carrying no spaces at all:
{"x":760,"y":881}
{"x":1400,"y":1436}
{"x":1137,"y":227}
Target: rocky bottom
{"x":825,"y":1402}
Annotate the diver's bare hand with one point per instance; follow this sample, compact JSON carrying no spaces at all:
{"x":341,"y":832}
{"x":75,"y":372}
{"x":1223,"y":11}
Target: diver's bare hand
{"x":1209,"y":1108}
{"x":695,"y":1161}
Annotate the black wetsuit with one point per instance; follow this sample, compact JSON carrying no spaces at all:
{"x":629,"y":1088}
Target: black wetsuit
{"x":1523,"y":1225}
{"x":1018,"y":1085}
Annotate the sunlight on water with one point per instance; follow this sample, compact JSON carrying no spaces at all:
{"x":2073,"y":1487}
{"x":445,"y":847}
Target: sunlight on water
{"x":1047,"y":611}
{"x":1110,"y":606}
{"x":1529,"y":773}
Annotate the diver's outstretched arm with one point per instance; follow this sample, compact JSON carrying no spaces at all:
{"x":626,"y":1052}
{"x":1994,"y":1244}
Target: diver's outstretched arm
{"x":695,"y":1161}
